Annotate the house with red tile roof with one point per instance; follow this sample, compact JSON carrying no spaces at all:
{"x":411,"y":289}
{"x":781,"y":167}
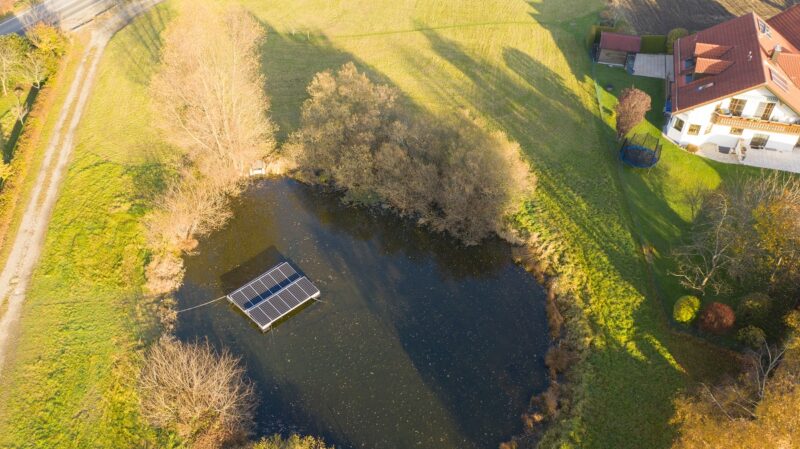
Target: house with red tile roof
{"x":737,"y":86}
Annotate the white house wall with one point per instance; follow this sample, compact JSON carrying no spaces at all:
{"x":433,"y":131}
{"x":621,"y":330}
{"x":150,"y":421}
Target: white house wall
{"x":721,"y":136}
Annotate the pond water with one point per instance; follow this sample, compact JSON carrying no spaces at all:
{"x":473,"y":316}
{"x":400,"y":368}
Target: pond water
{"x":416,"y":342}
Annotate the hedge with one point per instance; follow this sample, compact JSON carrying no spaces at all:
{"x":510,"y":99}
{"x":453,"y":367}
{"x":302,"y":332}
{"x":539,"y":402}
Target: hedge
{"x":654,"y":44}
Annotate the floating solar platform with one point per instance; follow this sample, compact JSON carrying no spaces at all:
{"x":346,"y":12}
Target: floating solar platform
{"x":273,"y":295}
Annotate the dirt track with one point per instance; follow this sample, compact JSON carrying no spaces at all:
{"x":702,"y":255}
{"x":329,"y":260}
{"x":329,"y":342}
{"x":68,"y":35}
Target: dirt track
{"x":660,"y":16}
{"x":28,"y":242}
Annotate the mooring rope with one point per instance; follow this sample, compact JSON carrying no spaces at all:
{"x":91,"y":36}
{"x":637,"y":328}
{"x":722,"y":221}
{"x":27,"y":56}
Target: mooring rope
{"x":201,"y":305}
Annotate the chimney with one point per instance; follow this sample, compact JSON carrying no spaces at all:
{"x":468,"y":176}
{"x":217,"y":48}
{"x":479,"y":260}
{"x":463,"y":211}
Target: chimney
{"x":776,"y":53}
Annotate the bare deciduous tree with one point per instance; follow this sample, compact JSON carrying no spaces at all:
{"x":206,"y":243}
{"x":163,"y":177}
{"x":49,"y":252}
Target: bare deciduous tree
{"x":34,"y":67}
{"x":195,"y":391}
{"x":741,"y":399}
{"x":191,"y":208}
{"x":20,"y":111}
{"x":164,"y":272}
{"x":700,"y":261}
{"x":209,"y":91}
{"x":210,"y":101}
{"x":747,"y":232}
{"x":12,"y":51}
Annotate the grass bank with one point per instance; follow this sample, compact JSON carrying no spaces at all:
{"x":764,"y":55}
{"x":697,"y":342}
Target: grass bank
{"x":521,"y":66}
{"x":70,"y":380}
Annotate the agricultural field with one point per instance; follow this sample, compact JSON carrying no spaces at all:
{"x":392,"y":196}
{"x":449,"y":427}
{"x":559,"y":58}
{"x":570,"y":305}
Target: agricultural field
{"x":521,"y":66}
{"x":660,"y":16}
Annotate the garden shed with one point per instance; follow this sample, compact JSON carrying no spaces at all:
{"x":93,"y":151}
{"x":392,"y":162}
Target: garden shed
{"x":615,"y":48}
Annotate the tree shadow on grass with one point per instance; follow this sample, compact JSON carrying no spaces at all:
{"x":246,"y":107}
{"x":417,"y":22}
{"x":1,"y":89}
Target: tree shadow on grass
{"x":141,"y":41}
{"x":289,"y":62}
{"x":535,"y":108}
{"x":16,"y":132}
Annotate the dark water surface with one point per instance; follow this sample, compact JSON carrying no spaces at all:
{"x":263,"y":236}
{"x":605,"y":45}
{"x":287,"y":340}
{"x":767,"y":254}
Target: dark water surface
{"x":416,"y":342}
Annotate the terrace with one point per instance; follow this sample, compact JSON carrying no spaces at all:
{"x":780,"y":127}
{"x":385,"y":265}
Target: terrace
{"x":774,"y":160}
{"x":721,"y":118}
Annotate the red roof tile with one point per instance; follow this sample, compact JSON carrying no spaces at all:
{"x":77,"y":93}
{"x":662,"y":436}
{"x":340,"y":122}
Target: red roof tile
{"x":790,"y":63}
{"x":620,"y":42}
{"x":710,"y":50}
{"x":788,"y":24}
{"x":711,"y":66}
{"x":747,"y":53}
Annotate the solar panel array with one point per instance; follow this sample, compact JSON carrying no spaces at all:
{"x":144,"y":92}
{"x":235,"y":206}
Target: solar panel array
{"x":274,"y":294}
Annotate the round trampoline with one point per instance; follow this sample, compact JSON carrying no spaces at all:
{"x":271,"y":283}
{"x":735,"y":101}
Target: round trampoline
{"x":641,"y":151}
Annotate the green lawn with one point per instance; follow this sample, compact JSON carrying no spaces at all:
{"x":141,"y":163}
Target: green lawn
{"x":659,"y":197}
{"x":521,"y":65}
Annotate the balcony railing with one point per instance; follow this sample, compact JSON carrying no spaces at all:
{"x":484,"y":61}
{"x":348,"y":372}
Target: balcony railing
{"x":720,"y":118}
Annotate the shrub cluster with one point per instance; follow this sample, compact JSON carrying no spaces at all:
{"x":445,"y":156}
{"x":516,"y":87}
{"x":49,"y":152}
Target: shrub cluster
{"x":754,"y":309}
{"x":293,"y":442}
{"x":455,"y":177}
{"x":751,"y":336}
{"x":673,"y":36}
{"x":717,"y":318}
{"x":685,"y":309}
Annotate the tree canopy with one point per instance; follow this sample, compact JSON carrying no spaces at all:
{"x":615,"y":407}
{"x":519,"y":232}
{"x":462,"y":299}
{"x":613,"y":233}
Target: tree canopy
{"x":454,"y":176}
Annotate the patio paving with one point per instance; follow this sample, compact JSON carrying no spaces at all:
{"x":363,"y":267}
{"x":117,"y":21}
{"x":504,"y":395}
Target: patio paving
{"x":653,"y":66}
{"x":774,"y":160}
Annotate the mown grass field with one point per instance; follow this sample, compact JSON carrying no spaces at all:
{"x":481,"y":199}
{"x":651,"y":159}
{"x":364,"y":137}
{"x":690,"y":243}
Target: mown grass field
{"x":520,"y":65}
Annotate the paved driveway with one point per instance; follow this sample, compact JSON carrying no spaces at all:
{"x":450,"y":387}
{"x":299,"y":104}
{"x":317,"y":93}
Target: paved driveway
{"x":66,"y":13}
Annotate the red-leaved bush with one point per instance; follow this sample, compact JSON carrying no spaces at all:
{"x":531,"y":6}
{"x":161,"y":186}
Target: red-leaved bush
{"x":717,"y":318}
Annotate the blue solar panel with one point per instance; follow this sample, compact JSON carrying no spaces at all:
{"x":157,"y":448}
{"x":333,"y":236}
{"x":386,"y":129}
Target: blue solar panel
{"x":273,"y":295}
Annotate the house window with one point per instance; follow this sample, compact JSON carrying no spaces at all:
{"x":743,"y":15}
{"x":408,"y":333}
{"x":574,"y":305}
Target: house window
{"x":779,"y":80}
{"x":736,"y":131}
{"x":694,"y":130}
{"x":763,"y":28}
{"x":764,"y":111}
{"x":737,"y":106}
{"x":678,"y":126}
{"x":759,"y":141}
{"x":689,"y":63}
